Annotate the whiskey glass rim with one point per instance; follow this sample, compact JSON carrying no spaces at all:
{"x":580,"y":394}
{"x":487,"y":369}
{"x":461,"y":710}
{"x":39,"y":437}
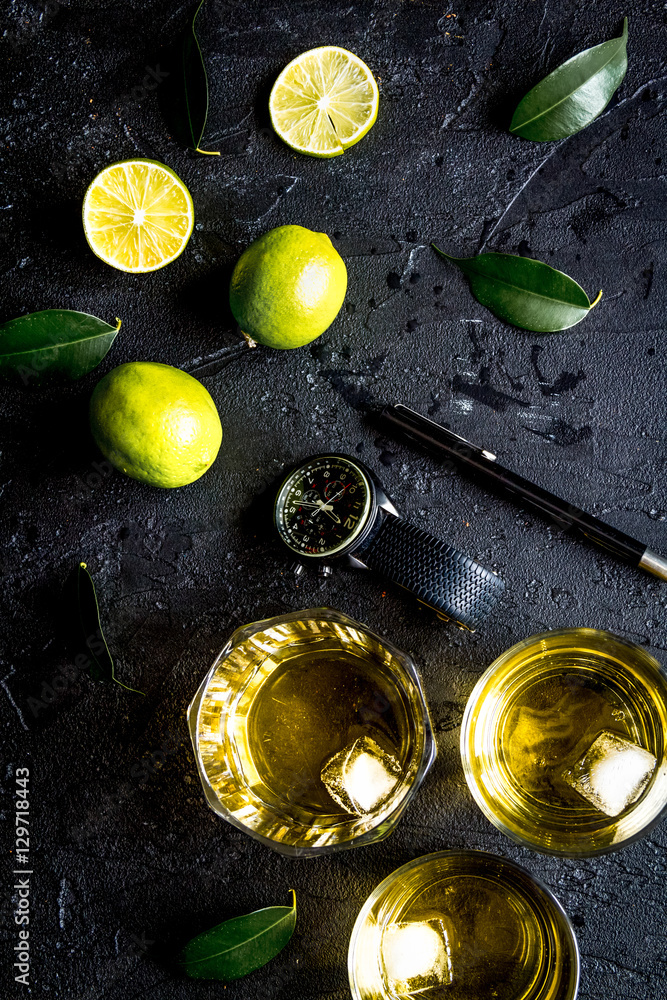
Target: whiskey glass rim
{"x":594,"y":634}
{"x":406,"y":675}
{"x":598,"y":638}
{"x":496,"y":860}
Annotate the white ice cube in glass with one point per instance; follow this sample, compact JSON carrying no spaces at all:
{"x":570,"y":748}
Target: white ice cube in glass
{"x":612,"y":774}
{"x":416,"y":957}
{"x":361,"y":776}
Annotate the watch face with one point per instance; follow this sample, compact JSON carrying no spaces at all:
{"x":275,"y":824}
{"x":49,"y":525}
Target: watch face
{"x":323,"y":506}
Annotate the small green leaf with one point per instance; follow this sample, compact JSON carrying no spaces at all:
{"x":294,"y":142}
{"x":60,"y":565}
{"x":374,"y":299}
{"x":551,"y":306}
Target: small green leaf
{"x":240,"y":945}
{"x":571,"y":97}
{"x":54,"y":340}
{"x":524,"y":292}
{"x":184,"y":97}
{"x":101,"y":666}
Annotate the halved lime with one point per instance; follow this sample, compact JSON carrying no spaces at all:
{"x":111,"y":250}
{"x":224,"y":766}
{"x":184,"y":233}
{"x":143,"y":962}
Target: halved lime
{"x":137,"y":215}
{"x":324,"y":101}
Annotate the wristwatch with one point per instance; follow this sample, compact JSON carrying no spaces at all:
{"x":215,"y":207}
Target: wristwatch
{"x":333,"y":507}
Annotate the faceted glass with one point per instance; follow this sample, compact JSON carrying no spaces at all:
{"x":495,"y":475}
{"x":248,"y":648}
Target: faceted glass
{"x":311,"y":733}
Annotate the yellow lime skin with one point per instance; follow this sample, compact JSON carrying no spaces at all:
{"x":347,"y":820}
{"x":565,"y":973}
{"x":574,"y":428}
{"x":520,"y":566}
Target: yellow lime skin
{"x":155,"y":423}
{"x":288,"y":287}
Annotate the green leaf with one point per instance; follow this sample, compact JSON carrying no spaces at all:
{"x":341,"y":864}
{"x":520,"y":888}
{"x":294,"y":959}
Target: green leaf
{"x":524,"y":292}
{"x":54,"y":341}
{"x":240,"y":945}
{"x":573,"y":95}
{"x":101,"y":666}
{"x":184,"y":97}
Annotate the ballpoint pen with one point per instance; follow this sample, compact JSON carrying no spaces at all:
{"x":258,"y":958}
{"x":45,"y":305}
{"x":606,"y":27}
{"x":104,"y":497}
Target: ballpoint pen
{"x":483,"y":467}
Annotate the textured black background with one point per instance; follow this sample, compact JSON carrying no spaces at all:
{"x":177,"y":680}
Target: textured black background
{"x":128,"y":867}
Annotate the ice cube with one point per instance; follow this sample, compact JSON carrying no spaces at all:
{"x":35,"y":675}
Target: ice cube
{"x":612,"y":774}
{"x":416,"y":957}
{"x":361,"y":776}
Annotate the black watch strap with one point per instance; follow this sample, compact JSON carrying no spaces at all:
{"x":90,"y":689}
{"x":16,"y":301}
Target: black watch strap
{"x":449,"y":582}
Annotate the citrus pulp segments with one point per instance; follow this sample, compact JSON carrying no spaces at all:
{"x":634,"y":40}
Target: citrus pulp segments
{"x":137,"y":215}
{"x":324,"y":101}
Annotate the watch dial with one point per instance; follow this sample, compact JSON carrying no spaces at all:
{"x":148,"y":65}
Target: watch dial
{"x":323,"y":506}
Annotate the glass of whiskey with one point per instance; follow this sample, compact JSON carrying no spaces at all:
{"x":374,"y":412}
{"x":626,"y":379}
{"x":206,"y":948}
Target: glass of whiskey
{"x":563,"y":742}
{"x":311,"y":733}
{"x":462,"y":924}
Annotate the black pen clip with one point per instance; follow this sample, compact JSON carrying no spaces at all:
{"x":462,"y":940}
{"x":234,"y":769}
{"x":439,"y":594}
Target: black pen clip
{"x":412,"y":417}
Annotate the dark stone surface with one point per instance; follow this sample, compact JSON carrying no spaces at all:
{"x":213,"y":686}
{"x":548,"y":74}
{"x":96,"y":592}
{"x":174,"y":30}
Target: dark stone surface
{"x":129,"y":863}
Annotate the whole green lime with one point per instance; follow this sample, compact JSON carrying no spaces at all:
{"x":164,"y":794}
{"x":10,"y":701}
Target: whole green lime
{"x":155,"y":423}
{"x":288,"y":287}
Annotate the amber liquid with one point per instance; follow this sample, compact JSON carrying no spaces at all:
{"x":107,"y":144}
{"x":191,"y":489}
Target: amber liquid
{"x":504,"y":937}
{"x":551,"y":725}
{"x":278,"y":707}
{"x":311,"y":706}
{"x":535,"y":715}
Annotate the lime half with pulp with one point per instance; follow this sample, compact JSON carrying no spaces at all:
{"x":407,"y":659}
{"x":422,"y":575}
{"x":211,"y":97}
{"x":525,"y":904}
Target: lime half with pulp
{"x":324,"y":101}
{"x":137,"y":215}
